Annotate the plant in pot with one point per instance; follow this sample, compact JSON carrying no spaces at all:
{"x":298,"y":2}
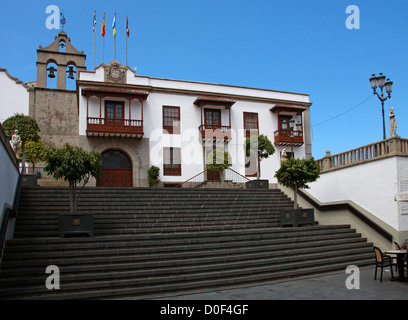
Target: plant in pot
{"x":296,"y":174}
{"x":74,"y":165}
{"x":153,"y":176}
{"x":219,"y":160}
{"x":261,"y":148}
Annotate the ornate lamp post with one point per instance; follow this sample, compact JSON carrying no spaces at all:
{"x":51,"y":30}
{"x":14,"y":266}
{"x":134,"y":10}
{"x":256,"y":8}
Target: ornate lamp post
{"x":290,"y":134}
{"x":380,"y":82}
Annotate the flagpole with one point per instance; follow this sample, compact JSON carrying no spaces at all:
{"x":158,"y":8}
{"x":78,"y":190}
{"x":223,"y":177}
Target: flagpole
{"x":103,"y":45}
{"x":94,"y":23}
{"x":115,"y":33}
{"x":126,"y":36}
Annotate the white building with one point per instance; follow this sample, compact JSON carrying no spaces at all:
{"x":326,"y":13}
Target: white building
{"x":13,"y":96}
{"x":137,"y":121}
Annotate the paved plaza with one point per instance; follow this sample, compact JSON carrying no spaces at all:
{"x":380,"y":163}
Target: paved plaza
{"x":326,"y":287}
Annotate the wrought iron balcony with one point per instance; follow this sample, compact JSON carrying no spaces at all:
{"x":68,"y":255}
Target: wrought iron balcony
{"x":114,"y":127}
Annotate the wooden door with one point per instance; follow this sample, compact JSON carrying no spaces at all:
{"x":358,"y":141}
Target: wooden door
{"x":116,"y":170}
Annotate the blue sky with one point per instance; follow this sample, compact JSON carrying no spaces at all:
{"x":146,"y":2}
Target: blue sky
{"x":292,"y":45}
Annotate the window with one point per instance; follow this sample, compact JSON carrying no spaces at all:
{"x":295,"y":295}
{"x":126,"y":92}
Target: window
{"x":172,"y":162}
{"x":171,"y":119}
{"x":114,"y":110}
{"x":250,"y":124}
{"x":212,"y":118}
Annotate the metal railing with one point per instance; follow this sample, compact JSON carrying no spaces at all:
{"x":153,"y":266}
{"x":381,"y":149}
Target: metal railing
{"x":228,"y":175}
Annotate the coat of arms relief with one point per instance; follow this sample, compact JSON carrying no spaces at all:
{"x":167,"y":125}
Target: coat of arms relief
{"x":114,"y":72}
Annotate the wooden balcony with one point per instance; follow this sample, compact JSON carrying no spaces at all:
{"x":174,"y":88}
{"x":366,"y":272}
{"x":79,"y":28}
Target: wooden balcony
{"x":282,"y":138}
{"x":103,"y":127}
{"x":209,"y":132}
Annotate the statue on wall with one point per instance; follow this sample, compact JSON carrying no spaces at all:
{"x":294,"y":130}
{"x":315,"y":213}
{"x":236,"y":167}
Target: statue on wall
{"x":16,"y":142}
{"x":393,"y":124}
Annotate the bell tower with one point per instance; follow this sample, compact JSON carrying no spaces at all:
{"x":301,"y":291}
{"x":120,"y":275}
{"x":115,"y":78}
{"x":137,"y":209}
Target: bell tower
{"x":68,"y":61}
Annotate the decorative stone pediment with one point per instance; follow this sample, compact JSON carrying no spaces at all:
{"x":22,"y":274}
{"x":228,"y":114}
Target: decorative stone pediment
{"x":115,"y":72}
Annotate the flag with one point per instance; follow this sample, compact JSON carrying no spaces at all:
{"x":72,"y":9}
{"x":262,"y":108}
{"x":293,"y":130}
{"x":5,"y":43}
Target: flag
{"x":127,"y":26}
{"x":103,"y":27}
{"x":94,"y":22}
{"x":114,"y":25}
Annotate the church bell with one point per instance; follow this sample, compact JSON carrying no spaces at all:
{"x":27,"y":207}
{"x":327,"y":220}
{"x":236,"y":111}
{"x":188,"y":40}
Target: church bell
{"x":71,"y":72}
{"x":51,"y":73}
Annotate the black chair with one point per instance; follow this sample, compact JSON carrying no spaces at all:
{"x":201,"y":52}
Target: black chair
{"x":382,"y":261}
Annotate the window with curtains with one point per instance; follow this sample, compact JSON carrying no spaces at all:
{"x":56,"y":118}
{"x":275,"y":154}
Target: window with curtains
{"x":172,"y":161}
{"x":171,"y":119}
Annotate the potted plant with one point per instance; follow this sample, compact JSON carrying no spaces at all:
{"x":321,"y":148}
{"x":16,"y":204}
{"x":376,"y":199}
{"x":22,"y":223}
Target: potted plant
{"x":75,"y":165}
{"x":153,"y":176}
{"x":263,"y":148}
{"x":219,"y":160}
{"x":296,"y":174}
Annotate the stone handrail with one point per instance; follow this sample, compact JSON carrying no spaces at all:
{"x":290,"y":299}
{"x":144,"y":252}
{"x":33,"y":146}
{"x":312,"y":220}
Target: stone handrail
{"x":390,"y":147}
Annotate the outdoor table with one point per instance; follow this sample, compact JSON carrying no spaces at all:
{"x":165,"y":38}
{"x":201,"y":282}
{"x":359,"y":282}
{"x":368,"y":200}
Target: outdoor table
{"x":400,"y":263}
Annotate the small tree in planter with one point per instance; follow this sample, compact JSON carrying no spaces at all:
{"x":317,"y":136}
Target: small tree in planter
{"x":75,"y":165}
{"x":219,"y":160}
{"x":153,"y":176}
{"x":297,"y":173}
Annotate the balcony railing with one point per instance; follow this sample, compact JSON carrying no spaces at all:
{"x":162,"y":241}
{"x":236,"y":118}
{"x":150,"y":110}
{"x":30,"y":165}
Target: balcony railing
{"x":215,"y":132}
{"x":282,"y":138}
{"x":114,"y":127}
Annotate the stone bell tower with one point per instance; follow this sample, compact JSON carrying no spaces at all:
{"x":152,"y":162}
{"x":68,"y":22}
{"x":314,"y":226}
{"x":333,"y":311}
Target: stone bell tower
{"x":64,"y":56}
{"x":56,"y":109}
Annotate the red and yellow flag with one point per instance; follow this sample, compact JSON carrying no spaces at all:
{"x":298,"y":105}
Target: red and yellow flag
{"x":103,"y":27}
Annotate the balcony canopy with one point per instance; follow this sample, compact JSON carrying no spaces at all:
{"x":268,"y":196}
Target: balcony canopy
{"x":214,"y":100}
{"x":298,"y":109}
{"x":121,"y":92}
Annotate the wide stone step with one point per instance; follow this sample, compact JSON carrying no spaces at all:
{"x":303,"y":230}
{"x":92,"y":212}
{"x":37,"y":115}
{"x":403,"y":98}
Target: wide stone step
{"x":179,"y":279}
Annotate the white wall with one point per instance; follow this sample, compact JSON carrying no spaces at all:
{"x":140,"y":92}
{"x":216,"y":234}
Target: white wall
{"x":372,"y":185}
{"x":13,"y":96}
{"x":8,"y":181}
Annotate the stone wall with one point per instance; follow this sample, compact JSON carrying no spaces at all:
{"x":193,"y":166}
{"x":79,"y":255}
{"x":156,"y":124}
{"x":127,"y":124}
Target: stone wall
{"x":56,"y":112}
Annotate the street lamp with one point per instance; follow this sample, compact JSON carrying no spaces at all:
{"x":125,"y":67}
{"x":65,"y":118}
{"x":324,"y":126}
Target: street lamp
{"x":291,"y":133}
{"x":380,"y":82}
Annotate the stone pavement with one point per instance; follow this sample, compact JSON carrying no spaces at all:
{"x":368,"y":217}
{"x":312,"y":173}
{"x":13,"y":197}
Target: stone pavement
{"x":325,"y":287}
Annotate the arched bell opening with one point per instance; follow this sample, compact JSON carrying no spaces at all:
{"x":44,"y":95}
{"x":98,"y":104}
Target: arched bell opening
{"x":52,"y":75}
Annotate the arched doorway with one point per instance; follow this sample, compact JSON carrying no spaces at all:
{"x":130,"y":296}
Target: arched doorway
{"x":116,"y":170}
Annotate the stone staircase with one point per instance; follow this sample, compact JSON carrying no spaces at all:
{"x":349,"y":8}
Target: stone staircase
{"x":156,"y":242}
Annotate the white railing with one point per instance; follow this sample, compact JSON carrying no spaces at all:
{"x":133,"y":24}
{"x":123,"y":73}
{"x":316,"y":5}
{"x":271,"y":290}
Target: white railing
{"x":378,"y":150}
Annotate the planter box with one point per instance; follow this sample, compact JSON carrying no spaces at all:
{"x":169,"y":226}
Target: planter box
{"x":297,"y":217}
{"x":76,"y":225}
{"x":257,"y":184}
{"x":29,"y":180}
